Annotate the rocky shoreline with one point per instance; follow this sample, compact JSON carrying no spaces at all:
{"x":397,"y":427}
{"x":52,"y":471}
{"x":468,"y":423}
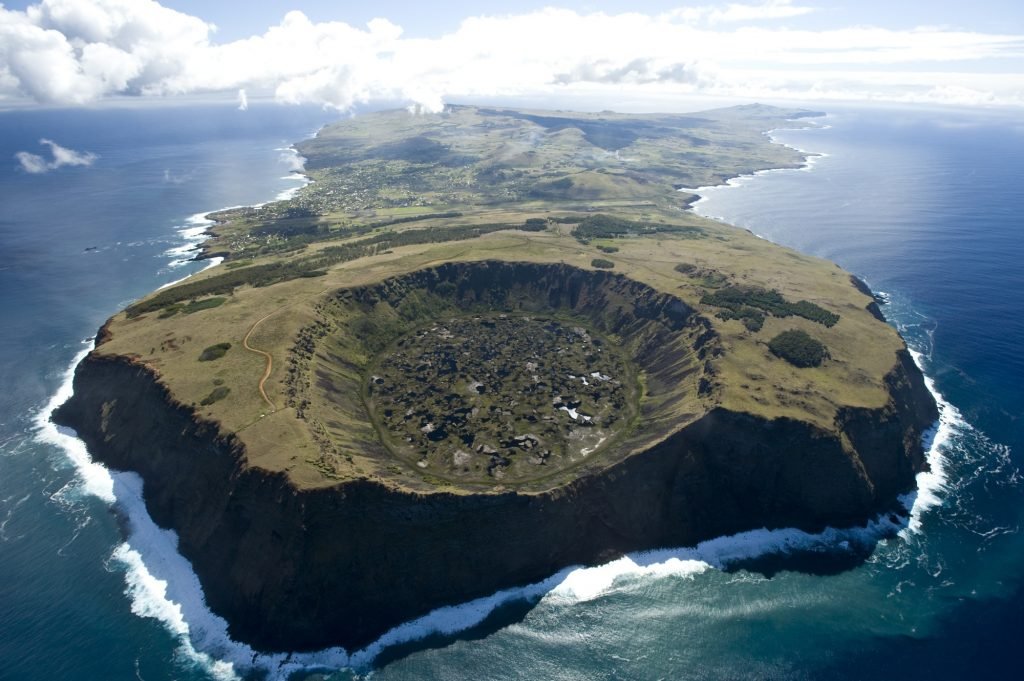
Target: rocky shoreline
{"x":293,"y":569}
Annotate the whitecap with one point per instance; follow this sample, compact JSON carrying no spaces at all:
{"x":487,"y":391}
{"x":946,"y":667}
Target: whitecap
{"x":96,"y":479}
{"x":810,"y":159}
{"x":931,"y":484}
{"x":161,"y":584}
{"x":212,"y":262}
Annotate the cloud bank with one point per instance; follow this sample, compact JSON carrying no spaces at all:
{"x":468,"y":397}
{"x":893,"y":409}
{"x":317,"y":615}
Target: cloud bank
{"x":59,"y":157}
{"x":72,"y":52}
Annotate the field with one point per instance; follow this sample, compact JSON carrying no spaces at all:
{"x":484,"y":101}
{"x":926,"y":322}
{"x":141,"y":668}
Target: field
{"x":315,"y":294}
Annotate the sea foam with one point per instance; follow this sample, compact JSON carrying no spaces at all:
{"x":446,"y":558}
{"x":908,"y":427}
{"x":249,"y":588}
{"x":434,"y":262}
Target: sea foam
{"x":193,"y":233}
{"x":296,"y":163}
{"x":810,"y":159}
{"x":95,"y":478}
{"x":161,"y":584}
{"x":931,"y":484}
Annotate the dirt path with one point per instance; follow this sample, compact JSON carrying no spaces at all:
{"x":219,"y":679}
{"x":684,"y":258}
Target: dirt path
{"x":270,"y":359}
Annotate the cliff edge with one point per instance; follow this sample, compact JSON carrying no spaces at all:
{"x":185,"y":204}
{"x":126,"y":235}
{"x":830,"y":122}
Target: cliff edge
{"x":484,"y":345}
{"x":293,"y":569}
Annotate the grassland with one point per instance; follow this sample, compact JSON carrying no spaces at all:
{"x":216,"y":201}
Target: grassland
{"x":395,"y":193}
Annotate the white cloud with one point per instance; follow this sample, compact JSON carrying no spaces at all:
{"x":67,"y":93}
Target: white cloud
{"x":243,"y":100}
{"x":60,"y":157}
{"x":738,"y":12}
{"x":79,"y":51}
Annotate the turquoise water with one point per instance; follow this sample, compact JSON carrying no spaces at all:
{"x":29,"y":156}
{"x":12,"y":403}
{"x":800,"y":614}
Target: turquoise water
{"x":923,"y":204}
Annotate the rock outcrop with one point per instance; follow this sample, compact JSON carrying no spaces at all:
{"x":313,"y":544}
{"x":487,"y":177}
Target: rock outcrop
{"x":294,"y":569}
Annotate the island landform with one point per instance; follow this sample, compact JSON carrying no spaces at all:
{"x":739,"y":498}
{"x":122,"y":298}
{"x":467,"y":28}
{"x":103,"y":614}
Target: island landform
{"x":482,"y":346}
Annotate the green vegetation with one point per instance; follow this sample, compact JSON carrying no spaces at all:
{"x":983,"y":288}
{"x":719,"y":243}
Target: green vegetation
{"x":310,"y":266}
{"x":192,"y":306}
{"x":798,"y":348}
{"x":750,"y":303}
{"x":227,"y":282}
{"x":602,"y":226}
{"x":499,"y":397}
{"x":313,"y":230}
{"x":487,"y":157}
{"x":205,"y":304}
{"x":713,"y":279}
{"x":217,"y":394}
{"x":394,"y":195}
{"x":214,"y":352}
{"x":414,"y":218}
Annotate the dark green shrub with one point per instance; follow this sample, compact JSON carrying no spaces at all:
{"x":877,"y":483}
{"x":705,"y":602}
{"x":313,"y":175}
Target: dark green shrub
{"x":309,"y":266}
{"x":601,"y":263}
{"x":815,"y":313}
{"x":752,"y":319}
{"x":214,"y":352}
{"x":685,"y":268}
{"x":608,"y":249}
{"x":218,"y":393}
{"x":206,"y":304}
{"x":739,"y":300}
{"x":600,"y":226}
{"x":798,"y":348}
{"x":171,"y":310}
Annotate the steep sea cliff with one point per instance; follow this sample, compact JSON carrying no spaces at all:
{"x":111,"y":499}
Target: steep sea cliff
{"x":297,"y":569}
{"x":924,"y":204}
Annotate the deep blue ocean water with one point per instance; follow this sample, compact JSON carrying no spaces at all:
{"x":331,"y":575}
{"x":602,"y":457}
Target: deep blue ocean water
{"x":923,"y":204}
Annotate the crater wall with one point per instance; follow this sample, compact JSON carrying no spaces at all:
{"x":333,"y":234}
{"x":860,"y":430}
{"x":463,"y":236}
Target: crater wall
{"x":664,"y":342}
{"x":300,"y":569}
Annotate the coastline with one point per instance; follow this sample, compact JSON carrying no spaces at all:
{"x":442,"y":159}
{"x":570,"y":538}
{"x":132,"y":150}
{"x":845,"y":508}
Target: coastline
{"x":811,"y":158}
{"x":206,"y":225}
{"x":159,"y":582}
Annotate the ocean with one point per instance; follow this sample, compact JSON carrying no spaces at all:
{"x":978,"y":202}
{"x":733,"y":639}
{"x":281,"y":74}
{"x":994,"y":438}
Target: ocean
{"x":923,"y":204}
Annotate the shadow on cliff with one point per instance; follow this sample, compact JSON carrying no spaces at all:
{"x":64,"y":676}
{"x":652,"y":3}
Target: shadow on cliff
{"x":506,"y":615}
{"x":821,"y":563}
{"x":816,"y":560}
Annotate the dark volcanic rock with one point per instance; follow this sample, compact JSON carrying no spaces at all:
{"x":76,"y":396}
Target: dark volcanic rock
{"x":294,"y":569}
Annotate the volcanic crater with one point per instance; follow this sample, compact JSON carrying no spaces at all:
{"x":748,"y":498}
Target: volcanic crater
{"x":492,"y":372}
{"x":506,"y":396}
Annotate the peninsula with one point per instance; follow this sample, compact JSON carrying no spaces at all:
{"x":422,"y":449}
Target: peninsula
{"x":484,"y":345}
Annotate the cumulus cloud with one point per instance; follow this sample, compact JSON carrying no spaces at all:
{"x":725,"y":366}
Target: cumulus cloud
{"x":79,"y":51}
{"x":243,"y":100}
{"x":638,"y":71}
{"x":59,"y":157}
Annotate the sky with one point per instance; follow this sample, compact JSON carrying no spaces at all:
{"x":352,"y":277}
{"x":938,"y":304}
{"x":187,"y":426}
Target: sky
{"x":343,"y":54}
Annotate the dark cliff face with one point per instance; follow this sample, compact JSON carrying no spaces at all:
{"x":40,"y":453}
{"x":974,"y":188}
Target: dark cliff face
{"x":295,"y":570}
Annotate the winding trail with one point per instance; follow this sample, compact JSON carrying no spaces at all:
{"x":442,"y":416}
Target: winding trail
{"x":270,"y":358}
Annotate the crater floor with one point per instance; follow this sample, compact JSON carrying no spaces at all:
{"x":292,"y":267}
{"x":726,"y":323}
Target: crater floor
{"x":500,"y":397}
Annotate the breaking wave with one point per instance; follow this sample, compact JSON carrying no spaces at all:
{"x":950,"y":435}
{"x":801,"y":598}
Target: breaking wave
{"x":161,"y":584}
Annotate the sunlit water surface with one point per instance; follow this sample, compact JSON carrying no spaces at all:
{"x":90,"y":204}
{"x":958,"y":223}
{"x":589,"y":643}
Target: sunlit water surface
{"x":924,"y":205}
